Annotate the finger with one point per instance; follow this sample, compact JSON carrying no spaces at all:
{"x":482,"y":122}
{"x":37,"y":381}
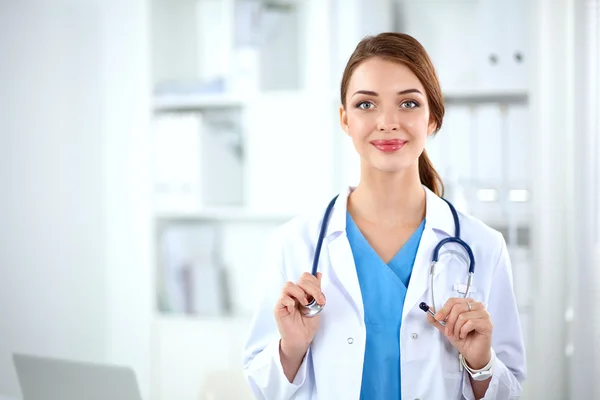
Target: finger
{"x":451,"y":310}
{"x":482,"y":325}
{"x":286,"y":303}
{"x":311,"y":284}
{"x":444,"y":312}
{"x":320,"y":279}
{"x":312,"y":278}
{"x":312,"y":289}
{"x":307,"y":276}
{"x":463,"y":310}
{"x":458,"y":307}
{"x":435,"y":323}
{"x":468,"y":327}
{"x":464,"y":317}
{"x":295,"y":292}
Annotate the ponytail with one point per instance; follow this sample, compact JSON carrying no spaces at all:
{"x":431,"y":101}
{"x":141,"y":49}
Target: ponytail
{"x":429,"y":176}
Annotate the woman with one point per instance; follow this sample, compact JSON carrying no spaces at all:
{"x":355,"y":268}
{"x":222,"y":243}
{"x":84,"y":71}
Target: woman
{"x":372,"y":341}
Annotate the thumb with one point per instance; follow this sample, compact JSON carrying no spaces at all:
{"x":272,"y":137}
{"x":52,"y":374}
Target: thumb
{"x":435,"y":323}
{"x":319,"y":279}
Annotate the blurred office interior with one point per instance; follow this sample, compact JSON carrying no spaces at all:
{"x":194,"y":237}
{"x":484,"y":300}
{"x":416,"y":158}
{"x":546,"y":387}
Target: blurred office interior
{"x":147,"y":148}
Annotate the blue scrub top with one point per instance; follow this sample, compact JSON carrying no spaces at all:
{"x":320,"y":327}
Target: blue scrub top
{"x":383,"y":287}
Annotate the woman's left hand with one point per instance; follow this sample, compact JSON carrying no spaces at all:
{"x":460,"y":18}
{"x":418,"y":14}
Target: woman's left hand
{"x":468,"y":328}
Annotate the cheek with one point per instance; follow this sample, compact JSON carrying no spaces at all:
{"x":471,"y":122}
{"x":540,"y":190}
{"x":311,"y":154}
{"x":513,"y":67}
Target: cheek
{"x":360,"y":127}
{"x":417,"y":126}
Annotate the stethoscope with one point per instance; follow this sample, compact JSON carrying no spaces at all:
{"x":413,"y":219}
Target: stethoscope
{"x":313,"y":308}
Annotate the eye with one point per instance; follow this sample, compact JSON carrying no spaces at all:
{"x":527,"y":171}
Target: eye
{"x":410,"y":104}
{"x":365,"y":105}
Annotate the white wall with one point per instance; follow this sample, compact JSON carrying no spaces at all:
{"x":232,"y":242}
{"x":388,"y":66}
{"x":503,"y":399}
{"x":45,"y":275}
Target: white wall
{"x":552,"y":231}
{"x":584,"y":332}
{"x":125,"y":104}
{"x":52,"y":233}
{"x":71,"y":120}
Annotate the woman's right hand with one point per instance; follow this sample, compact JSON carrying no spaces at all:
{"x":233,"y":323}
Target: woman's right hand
{"x":296,"y":330}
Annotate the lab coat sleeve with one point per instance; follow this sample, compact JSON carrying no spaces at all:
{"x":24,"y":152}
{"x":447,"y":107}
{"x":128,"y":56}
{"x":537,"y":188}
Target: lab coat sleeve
{"x":507,"y":340}
{"x":261,"y":361}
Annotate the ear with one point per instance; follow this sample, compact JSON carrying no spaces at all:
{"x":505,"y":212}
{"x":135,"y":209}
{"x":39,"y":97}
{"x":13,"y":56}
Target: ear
{"x":344,"y":120}
{"x":431,"y":128}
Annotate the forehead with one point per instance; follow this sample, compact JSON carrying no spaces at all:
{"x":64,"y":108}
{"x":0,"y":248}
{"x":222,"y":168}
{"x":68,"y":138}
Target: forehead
{"x":379,"y":75}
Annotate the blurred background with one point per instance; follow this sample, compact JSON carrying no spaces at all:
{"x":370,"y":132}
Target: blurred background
{"x":148,"y":147}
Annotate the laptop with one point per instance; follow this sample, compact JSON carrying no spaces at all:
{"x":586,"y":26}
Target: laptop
{"x":43,"y":378}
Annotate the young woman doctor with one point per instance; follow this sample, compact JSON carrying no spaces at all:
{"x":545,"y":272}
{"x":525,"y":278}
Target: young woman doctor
{"x":372,"y":341}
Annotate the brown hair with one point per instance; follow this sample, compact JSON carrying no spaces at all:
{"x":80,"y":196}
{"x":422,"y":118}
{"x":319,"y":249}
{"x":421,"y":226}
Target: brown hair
{"x":405,"y":49}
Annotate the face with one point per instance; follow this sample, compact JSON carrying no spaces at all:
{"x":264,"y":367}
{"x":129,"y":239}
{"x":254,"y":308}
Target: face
{"x":386,"y":115}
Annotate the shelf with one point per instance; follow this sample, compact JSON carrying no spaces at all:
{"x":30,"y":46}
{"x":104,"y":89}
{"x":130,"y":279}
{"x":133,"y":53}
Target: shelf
{"x":179,"y":319}
{"x":224,"y":214}
{"x":196,"y":102}
{"x":482,"y":96}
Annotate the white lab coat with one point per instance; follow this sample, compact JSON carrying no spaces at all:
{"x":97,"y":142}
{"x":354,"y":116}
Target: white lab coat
{"x":429,"y":365}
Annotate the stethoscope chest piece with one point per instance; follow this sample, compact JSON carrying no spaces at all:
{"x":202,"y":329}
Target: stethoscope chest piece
{"x":311,"y":309}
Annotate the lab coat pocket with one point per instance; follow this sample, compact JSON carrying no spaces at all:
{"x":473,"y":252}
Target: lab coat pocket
{"x":459,"y":289}
{"x":450,"y":361}
{"x":451,"y":279}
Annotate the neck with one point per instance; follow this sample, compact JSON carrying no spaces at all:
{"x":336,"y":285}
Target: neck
{"x":389,"y":199}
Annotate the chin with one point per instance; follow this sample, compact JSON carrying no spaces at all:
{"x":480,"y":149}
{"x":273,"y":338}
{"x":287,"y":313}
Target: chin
{"x":391,"y":166}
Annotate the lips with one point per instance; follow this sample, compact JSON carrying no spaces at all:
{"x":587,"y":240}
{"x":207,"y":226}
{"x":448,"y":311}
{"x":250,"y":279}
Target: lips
{"x":388,"y":145}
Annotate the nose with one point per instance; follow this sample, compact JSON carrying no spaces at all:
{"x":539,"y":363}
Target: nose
{"x":388,"y":127}
{"x":388,"y":122}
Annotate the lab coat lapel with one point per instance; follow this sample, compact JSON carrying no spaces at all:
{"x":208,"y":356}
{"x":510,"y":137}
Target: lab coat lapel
{"x":343,"y":268}
{"x":419,"y":279}
{"x":439,"y":224}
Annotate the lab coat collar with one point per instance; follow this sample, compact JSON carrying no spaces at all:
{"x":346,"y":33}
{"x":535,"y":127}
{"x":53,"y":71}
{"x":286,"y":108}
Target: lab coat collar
{"x":438,"y":215}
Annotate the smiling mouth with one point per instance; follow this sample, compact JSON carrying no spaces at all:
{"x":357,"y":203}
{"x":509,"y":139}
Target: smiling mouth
{"x":389,"y":145}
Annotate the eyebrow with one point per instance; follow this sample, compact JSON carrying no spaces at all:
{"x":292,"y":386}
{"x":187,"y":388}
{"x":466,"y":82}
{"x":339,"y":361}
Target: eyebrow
{"x":371,"y":93}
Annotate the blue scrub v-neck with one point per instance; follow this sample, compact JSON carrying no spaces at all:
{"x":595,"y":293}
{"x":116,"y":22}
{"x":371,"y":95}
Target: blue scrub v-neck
{"x":383,"y":288}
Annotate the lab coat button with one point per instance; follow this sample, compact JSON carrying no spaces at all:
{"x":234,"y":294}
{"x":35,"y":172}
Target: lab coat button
{"x":414,"y":336}
{"x":350,"y":340}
